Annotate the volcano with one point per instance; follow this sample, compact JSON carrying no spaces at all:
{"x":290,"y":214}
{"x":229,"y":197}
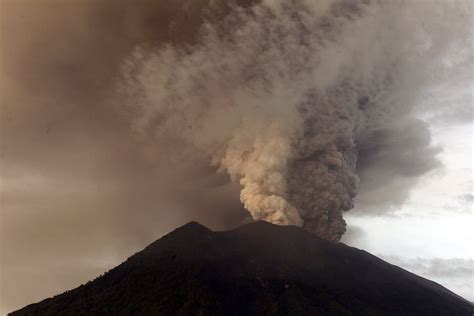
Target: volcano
{"x":256,"y":269}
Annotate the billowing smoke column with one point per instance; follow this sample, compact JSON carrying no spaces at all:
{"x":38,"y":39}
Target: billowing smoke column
{"x":279,"y":95}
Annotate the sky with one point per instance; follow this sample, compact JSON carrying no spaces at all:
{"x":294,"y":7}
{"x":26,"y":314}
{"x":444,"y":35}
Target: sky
{"x":81,"y":189}
{"x":431,"y":234}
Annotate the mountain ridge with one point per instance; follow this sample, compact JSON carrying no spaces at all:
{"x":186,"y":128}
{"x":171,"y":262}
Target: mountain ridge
{"x":255,"y":269}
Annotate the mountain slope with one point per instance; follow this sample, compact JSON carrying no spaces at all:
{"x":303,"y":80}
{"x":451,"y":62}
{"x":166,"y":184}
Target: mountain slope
{"x":257,"y":269}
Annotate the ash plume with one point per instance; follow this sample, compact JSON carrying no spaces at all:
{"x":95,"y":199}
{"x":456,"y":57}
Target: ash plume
{"x":280,"y":95}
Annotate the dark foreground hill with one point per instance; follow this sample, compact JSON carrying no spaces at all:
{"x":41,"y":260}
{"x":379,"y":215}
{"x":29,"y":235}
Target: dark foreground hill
{"x":257,"y":269}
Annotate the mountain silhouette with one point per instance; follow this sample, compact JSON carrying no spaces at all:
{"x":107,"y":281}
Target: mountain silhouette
{"x":256,"y":269}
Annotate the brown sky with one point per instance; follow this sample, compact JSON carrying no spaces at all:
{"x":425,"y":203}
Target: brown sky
{"x":78,"y":193}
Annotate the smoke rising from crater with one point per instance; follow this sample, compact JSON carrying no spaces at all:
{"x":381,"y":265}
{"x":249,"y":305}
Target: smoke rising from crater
{"x":281,"y":95}
{"x":79,"y":194}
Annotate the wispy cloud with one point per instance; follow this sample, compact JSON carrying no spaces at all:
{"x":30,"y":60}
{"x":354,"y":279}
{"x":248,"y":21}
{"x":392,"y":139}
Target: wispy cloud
{"x":457,"y":274}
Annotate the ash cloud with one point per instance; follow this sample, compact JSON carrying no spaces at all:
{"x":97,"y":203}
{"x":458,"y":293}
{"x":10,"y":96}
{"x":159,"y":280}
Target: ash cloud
{"x":292,"y":99}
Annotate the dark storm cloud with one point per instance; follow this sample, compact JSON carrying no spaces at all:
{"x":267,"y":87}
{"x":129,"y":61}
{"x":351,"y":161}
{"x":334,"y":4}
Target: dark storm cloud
{"x":391,"y":161}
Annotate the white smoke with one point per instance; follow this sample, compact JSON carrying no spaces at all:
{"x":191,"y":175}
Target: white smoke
{"x":279,"y":95}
